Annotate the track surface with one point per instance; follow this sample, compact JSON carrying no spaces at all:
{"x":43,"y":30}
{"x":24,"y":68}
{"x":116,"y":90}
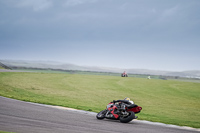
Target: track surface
{"x":23,"y":117}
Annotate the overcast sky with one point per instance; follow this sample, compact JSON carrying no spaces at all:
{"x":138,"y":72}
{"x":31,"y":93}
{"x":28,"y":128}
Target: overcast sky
{"x":148,"y":34}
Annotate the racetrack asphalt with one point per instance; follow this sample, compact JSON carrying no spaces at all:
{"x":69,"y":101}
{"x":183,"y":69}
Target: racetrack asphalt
{"x":24,"y":117}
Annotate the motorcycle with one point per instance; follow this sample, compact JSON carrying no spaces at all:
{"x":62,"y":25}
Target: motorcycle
{"x":121,"y":110}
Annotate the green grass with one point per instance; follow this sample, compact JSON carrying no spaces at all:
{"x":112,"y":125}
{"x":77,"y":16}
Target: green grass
{"x":2,"y":67}
{"x":5,"y":132}
{"x":166,"y":101}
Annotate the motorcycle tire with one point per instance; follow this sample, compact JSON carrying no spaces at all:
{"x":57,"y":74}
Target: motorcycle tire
{"x":101,"y":114}
{"x":127,"y":119}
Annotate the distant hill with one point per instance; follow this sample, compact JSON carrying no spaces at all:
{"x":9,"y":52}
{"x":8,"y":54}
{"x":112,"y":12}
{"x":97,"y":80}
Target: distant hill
{"x":3,"y":66}
{"x":67,"y":66}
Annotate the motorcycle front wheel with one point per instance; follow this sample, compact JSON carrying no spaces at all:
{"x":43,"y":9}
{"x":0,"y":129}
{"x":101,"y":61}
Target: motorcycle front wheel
{"x":101,"y":115}
{"x":128,"y":118}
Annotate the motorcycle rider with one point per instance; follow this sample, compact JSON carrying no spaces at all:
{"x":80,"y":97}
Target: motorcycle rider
{"x":120,"y":109}
{"x":128,"y":99}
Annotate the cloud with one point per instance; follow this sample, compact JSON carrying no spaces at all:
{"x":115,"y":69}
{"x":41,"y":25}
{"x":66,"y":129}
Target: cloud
{"x":36,"y":5}
{"x":170,"y":13}
{"x":78,"y":2}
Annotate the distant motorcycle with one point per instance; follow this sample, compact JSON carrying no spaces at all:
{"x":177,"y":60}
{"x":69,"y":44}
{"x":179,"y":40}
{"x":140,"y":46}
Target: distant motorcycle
{"x":121,"y":110}
{"x":124,"y":74}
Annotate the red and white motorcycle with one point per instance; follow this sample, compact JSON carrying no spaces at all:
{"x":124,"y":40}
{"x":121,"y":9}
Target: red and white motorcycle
{"x":121,"y":110}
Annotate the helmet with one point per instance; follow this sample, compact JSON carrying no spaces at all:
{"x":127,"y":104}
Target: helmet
{"x":128,"y":99}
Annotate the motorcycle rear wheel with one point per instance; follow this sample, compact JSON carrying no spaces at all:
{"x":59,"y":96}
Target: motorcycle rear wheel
{"x":127,"y":119}
{"x":101,"y":114}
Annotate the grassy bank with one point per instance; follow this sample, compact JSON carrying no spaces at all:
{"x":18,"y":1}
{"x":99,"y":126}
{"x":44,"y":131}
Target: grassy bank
{"x":172,"y":102}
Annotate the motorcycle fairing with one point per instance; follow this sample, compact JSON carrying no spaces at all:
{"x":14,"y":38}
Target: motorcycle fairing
{"x":135,"y":109}
{"x":112,"y":109}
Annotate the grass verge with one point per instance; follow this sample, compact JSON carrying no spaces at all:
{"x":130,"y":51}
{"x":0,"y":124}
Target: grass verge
{"x":5,"y":132}
{"x":166,"y":101}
